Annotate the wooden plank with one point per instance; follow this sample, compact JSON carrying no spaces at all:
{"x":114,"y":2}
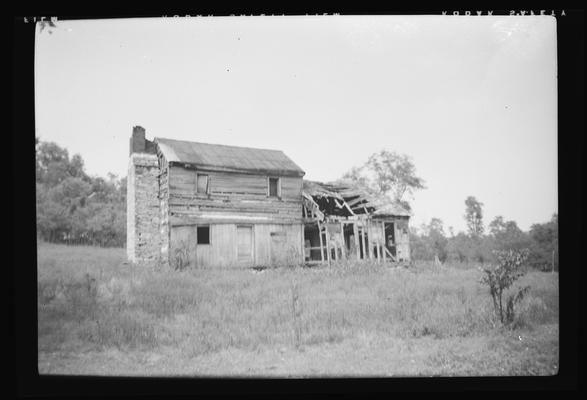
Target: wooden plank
{"x":321,"y":243}
{"x":348,"y":208}
{"x":384,"y":242}
{"x":343,"y":248}
{"x":248,"y":171}
{"x":377,"y":244}
{"x":245,"y":244}
{"x":327,"y":245}
{"x":303,"y":243}
{"x":189,"y":220}
{"x":355,"y":202}
{"x":363,"y":239}
{"x":356,"y":237}
{"x":389,"y":254}
{"x":370,"y":246}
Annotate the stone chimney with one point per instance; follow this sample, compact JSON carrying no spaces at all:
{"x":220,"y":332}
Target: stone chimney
{"x":137,"y":140}
{"x":143,"y":239}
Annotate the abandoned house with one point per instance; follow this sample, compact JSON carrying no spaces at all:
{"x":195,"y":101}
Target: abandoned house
{"x":228,"y":206}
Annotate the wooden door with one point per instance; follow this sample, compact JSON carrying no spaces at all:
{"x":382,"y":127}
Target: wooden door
{"x":244,"y":244}
{"x":278,"y":248}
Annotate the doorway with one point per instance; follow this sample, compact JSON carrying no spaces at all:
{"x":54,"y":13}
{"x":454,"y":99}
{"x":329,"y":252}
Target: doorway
{"x":389,"y":231}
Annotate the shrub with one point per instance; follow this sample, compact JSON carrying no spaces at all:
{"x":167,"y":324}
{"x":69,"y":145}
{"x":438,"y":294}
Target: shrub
{"x":499,"y":278}
{"x":181,"y":255}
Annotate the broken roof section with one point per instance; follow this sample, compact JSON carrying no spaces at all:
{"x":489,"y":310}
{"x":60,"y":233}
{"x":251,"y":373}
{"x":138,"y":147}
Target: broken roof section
{"x":346,"y":199}
{"x":233,"y":158}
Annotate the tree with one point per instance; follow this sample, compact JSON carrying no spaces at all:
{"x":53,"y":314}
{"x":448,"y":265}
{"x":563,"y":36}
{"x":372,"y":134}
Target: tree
{"x":437,"y":238}
{"x":53,"y":164}
{"x":506,"y":235}
{"x":544,"y":244}
{"x":388,"y":174}
{"x":357,"y":175}
{"x":420,"y":248}
{"x":474,"y":216}
{"x":429,"y":242}
{"x":497,"y":225}
{"x":460,"y":248}
{"x":72,"y":206}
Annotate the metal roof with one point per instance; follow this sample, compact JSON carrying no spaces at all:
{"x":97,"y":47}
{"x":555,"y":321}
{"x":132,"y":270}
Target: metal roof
{"x":228,"y":157}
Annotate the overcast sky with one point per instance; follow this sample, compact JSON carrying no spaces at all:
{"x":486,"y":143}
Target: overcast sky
{"x":473,"y":100}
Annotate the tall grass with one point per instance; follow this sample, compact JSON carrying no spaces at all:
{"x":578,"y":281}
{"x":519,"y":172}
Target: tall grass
{"x":87,"y":298}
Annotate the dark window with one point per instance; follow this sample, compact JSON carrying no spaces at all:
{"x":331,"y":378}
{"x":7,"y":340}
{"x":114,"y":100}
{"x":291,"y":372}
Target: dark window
{"x":202,"y":184}
{"x":273,"y":187}
{"x":203,"y":235}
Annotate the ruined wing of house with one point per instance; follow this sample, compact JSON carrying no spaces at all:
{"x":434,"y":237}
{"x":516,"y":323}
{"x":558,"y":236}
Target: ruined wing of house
{"x":238,"y":207}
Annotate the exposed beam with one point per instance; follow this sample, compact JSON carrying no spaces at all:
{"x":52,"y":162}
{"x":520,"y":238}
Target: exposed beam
{"x":384,"y":247}
{"x":321,"y":242}
{"x":356,"y":234}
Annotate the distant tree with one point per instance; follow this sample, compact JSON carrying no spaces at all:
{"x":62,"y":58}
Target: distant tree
{"x":506,"y":235}
{"x":474,"y":216}
{"x":74,"y":207}
{"x":420,"y":248}
{"x":357,"y":175}
{"x":497,"y":225}
{"x":429,"y":241}
{"x":437,"y":238}
{"x":76,"y":167}
{"x":389,"y":174}
{"x":53,"y":164}
{"x":544,"y":244}
{"x":460,"y":248}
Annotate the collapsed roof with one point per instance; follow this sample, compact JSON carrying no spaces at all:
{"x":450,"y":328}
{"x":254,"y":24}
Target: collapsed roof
{"x":346,"y":199}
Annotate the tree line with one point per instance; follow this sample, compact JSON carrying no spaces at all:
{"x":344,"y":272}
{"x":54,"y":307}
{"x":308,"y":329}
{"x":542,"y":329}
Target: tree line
{"x":73,"y":207}
{"x":431,"y":242}
{"x":394,"y":176}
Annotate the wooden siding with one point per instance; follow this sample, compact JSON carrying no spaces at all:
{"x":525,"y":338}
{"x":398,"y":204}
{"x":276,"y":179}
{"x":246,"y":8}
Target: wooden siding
{"x":242,"y":197}
{"x":222,"y":252}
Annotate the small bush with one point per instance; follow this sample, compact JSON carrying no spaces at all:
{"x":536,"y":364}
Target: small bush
{"x":181,"y":254}
{"x":499,"y":278}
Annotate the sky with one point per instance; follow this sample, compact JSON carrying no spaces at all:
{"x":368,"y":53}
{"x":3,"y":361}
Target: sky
{"x":471,"y":99}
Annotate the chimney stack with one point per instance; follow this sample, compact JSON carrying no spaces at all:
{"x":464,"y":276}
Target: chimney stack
{"x":137,"y":140}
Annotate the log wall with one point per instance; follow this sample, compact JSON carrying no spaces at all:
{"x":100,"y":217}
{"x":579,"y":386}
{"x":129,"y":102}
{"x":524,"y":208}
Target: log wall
{"x":232,"y":197}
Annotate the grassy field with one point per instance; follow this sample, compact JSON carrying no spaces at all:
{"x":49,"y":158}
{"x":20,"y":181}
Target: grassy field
{"x":98,"y":315}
